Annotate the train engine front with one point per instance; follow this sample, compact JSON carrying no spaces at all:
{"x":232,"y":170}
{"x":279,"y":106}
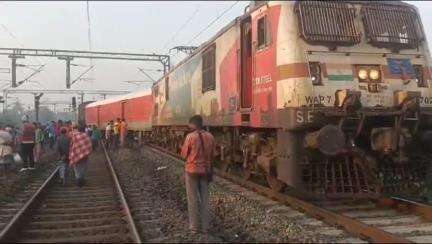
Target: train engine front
{"x":359,"y":125}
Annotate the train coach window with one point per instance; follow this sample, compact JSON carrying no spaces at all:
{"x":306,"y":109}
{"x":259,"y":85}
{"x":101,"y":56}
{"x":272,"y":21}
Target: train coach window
{"x":208,"y":69}
{"x":263,"y":32}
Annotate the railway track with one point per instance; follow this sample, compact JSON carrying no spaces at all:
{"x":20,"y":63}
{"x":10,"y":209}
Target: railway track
{"x":97,"y":212}
{"x":390,"y":220}
{"x":411,"y":221}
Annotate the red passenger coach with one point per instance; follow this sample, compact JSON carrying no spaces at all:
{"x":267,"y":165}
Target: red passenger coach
{"x":136,"y":108}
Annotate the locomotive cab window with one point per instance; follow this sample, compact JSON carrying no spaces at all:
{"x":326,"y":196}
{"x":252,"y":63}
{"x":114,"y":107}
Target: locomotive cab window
{"x":327,"y":22}
{"x":263,"y":32}
{"x":391,"y":25}
{"x":208,"y":69}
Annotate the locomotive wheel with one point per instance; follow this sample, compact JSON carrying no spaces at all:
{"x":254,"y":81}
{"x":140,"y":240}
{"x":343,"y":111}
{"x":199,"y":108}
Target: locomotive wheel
{"x":275,"y":184}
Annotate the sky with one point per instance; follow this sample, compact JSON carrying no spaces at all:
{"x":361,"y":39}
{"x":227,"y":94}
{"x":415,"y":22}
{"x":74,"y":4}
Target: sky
{"x":140,"y":27}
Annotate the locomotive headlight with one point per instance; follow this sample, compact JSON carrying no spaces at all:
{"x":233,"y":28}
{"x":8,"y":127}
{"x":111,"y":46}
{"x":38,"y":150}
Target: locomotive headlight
{"x":374,"y":74}
{"x":368,"y":73}
{"x":363,"y":74}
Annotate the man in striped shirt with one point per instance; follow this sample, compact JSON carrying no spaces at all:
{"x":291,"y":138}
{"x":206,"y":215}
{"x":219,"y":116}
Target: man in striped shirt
{"x":80,"y":149}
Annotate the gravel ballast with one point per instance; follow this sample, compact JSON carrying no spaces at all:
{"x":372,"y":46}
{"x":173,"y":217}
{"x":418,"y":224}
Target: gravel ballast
{"x":237,"y":214}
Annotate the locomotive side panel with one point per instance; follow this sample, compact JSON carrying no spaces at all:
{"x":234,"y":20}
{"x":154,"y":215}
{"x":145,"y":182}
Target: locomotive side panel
{"x":183,"y":92}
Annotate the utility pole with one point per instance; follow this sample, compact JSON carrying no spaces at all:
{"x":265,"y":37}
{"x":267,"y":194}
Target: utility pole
{"x":14,"y":57}
{"x":36,"y":104}
{"x":68,"y":76}
{"x":74,"y":103}
{"x":2,"y":100}
{"x":74,"y":108}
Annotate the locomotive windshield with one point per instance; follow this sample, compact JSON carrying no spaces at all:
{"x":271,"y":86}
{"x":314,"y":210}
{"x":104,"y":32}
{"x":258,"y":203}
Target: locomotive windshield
{"x":327,"y":22}
{"x":391,"y":25}
{"x":333,"y":23}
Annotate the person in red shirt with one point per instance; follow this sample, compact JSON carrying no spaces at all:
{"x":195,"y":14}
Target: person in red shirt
{"x":28,"y":142}
{"x":198,"y":150}
{"x":80,"y":149}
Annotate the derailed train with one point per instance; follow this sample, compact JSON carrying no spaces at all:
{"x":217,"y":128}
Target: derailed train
{"x":330,"y":98}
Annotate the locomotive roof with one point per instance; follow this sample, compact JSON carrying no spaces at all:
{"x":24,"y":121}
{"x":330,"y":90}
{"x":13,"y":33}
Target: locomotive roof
{"x":258,"y":5}
{"x":120,"y":98}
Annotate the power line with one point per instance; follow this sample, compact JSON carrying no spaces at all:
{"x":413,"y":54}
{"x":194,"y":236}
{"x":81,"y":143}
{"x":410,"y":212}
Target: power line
{"x":12,"y":35}
{"x":181,"y":28}
{"x":21,"y":45}
{"x":214,"y":21}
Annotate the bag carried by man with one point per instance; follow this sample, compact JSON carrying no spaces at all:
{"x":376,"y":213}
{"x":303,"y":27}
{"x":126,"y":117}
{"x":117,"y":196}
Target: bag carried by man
{"x":209,"y":170}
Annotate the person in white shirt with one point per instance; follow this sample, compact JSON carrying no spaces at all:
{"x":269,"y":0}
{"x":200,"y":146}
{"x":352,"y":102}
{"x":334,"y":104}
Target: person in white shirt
{"x":6,"y":148}
{"x":109,"y":134}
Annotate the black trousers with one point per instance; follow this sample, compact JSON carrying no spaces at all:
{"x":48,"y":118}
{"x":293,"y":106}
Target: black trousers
{"x":27,"y":154}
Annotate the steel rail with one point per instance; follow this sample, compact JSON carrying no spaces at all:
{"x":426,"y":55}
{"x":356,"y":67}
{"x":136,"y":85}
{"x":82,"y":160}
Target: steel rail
{"x":415,"y":207}
{"x":135,"y":235}
{"x":12,"y":227}
{"x":350,"y":225}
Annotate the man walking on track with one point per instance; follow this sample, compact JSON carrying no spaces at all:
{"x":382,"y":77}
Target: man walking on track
{"x":39,"y":138}
{"x":198,"y":150}
{"x":28,"y":142}
{"x":80,"y":149}
{"x":109,"y":134}
{"x":116,"y":130}
{"x":63,"y":146}
{"x":123,"y":133}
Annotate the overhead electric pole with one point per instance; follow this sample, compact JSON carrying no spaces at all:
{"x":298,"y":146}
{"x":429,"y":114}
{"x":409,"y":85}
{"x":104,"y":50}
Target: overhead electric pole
{"x":68,"y":76}
{"x":14,"y":57}
{"x":37,"y":98}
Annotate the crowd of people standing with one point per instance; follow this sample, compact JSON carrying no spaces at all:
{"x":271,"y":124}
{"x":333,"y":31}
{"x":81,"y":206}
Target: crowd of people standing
{"x":73,"y":144}
{"x":116,"y":133}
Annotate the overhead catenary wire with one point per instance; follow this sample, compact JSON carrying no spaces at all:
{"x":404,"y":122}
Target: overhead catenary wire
{"x":181,"y":28}
{"x":21,"y":45}
{"x":214,"y":21}
{"x":207,"y":27}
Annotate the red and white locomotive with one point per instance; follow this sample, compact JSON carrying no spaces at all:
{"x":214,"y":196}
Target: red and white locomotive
{"x":331,"y":98}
